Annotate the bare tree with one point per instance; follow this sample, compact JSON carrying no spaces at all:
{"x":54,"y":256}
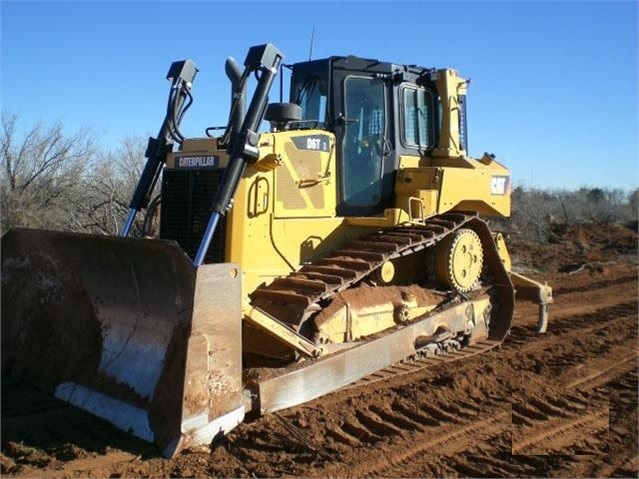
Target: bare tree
{"x":52,"y":180}
{"x":40,"y":172}
{"x":108,"y":188}
{"x":633,"y":201}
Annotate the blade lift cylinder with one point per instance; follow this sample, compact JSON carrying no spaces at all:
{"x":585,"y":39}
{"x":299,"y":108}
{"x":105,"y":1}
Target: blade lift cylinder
{"x":181,"y":74}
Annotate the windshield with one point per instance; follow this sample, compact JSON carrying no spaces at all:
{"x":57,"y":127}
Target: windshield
{"x":311,"y":93}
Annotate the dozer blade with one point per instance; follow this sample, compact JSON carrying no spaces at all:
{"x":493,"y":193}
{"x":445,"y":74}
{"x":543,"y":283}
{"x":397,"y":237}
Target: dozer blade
{"x":127,"y":329}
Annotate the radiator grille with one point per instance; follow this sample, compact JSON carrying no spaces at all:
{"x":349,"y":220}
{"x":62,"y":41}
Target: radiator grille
{"x":184,"y":214}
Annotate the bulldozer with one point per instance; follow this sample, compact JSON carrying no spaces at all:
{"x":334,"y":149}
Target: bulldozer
{"x":303,"y":246}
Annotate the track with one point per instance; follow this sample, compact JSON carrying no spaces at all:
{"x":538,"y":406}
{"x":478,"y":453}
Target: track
{"x":296,"y":299}
{"x":563,"y":404}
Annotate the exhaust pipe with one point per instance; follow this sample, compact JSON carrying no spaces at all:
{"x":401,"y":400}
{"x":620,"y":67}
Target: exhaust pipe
{"x":238,"y":94}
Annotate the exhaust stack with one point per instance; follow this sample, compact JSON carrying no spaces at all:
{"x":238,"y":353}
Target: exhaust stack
{"x":238,"y":94}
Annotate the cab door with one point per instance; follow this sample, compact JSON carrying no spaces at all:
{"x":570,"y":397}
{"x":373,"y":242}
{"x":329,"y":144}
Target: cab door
{"x":364,"y":146}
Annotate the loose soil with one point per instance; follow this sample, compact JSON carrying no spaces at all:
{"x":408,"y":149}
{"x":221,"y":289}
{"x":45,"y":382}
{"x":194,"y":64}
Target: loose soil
{"x":559,"y":404}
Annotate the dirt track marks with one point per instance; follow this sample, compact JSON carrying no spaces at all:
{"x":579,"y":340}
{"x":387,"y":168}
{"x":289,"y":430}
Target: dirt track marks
{"x":400,"y":455}
{"x":563,"y":404}
{"x":552,"y":433}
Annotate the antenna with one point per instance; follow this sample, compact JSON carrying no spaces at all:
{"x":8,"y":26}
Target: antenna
{"x":310,"y":50}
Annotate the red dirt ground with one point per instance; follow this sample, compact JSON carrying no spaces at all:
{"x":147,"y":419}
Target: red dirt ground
{"x":560,"y":404}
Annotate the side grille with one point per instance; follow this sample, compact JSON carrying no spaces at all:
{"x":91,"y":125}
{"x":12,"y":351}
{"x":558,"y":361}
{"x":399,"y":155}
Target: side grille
{"x":184,"y":212}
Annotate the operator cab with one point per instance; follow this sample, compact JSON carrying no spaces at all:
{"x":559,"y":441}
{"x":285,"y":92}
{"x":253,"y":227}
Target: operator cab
{"x":378,"y":112}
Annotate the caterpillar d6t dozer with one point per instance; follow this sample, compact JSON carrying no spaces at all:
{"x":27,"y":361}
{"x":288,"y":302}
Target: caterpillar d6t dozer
{"x":290,"y":263}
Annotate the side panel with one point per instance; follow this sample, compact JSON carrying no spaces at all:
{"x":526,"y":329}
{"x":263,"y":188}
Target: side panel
{"x":305,"y":179}
{"x":469,"y":186}
{"x":284,"y":210}
{"x":485,"y":190}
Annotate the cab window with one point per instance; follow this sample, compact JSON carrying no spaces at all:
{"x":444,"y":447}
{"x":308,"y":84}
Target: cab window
{"x":311,"y":94}
{"x":417,"y":118}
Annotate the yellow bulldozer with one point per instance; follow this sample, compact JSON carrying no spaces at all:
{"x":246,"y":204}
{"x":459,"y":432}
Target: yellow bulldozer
{"x":290,"y":263}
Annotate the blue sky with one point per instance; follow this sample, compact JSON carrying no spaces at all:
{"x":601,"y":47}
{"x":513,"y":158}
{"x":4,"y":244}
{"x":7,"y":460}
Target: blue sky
{"x":553,"y":93}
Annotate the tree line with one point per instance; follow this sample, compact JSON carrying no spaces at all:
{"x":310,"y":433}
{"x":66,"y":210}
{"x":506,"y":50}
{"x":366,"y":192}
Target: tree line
{"x":536,"y":212}
{"x":59,"y":181}
{"x":54,"y":180}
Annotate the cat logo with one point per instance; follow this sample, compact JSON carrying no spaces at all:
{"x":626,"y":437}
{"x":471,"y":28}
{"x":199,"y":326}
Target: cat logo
{"x":197,"y":162}
{"x":499,"y":185}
